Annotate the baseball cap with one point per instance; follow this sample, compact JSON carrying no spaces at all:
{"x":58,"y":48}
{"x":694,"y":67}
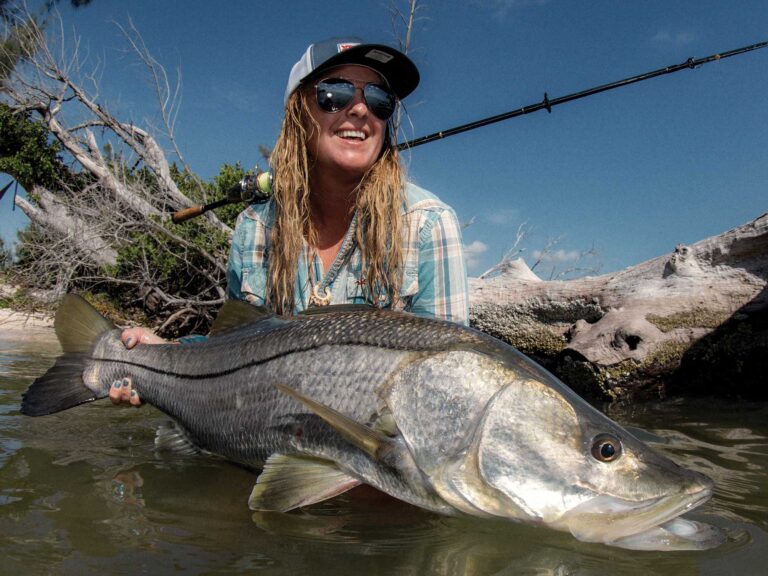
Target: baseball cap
{"x":397,"y":69}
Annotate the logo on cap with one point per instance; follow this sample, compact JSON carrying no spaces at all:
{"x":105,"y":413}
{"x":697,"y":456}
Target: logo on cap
{"x":346,"y":46}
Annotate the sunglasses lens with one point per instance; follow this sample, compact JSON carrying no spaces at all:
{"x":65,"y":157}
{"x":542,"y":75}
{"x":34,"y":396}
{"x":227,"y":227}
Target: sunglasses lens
{"x":334,"y":95}
{"x":380,"y":100}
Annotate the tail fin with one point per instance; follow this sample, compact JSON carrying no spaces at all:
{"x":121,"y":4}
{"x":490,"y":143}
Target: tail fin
{"x":78,"y":325}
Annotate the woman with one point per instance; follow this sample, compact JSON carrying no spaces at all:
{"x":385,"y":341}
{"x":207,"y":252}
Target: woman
{"x":343,"y":226}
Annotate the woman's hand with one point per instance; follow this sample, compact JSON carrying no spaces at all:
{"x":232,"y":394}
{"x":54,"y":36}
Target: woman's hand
{"x":121,"y":391}
{"x":139,"y":335}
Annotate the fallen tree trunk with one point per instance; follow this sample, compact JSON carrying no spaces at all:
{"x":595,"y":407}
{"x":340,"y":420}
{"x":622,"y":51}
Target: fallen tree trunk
{"x":695,"y":321}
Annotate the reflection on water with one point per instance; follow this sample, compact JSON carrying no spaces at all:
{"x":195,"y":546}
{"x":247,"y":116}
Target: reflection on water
{"x":83,"y":492}
{"x":728,"y":441}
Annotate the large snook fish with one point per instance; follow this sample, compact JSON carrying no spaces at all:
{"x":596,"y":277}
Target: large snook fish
{"x":435,"y":414}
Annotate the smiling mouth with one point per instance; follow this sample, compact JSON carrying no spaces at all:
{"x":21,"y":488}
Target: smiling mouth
{"x":351,"y":135}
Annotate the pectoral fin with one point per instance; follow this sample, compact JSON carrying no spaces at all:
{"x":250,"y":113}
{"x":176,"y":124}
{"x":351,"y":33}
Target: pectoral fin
{"x":289,"y":482}
{"x":372,"y":442}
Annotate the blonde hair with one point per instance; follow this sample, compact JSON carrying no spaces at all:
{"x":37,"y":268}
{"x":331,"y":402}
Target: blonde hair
{"x":379,"y":201}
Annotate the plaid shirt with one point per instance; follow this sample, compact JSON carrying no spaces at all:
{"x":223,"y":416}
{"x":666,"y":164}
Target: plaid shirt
{"x":434,"y":280}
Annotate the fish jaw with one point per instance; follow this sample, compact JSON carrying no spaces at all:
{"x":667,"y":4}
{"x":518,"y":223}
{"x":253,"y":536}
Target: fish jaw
{"x":675,"y":535}
{"x":651,"y":524}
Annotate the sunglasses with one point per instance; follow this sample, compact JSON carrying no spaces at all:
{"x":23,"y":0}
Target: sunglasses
{"x":335,"y":94}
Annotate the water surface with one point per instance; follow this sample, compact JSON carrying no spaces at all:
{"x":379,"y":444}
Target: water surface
{"x":83,"y":492}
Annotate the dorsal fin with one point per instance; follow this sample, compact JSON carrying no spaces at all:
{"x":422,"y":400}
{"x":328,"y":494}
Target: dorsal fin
{"x":235,"y":314}
{"x":319,"y":310}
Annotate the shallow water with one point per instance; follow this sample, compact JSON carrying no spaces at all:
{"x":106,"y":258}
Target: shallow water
{"x":83,"y":492}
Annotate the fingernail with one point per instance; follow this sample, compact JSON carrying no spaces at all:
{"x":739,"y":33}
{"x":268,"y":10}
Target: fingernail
{"x":130,"y":341}
{"x":134,"y":393}
{"x":117,"y":383}
{"x":126,"y":382}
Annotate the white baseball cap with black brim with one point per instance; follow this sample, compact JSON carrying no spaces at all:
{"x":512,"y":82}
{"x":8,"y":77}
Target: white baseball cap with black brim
{"x":395,"y":67}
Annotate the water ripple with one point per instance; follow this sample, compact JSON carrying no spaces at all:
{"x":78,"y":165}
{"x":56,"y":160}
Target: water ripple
{"x":86,"y":489}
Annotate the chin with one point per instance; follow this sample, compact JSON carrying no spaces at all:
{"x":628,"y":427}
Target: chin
{"x":354,"y":165}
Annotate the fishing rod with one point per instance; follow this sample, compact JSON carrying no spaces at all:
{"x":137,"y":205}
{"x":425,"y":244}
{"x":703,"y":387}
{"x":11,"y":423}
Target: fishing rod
{"x":5,"y":189}
{"x":257,"y":187}
{"x":548,"y":104}
{"x":254,"y":187}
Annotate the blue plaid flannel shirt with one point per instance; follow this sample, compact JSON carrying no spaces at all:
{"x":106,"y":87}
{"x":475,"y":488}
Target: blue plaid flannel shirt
{"x":434,"y":275}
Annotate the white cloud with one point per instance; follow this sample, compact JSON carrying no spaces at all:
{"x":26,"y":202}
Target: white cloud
{"x":557,"y":255}
{"x":473,"y":251}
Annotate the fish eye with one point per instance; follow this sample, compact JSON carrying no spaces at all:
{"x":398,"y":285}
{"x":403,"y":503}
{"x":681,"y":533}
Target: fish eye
{"x":606,"y":448}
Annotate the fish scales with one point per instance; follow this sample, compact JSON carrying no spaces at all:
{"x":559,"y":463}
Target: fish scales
{"x":241,"y":401}
{"x":436,"y":414}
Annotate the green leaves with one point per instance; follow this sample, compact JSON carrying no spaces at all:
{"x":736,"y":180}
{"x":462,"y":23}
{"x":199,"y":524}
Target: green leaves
{"x":26,"y":152}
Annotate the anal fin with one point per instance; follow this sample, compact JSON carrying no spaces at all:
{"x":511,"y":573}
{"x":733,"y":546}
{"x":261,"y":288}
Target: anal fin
{"x":289,"y":482}
{"x":170,"y":437}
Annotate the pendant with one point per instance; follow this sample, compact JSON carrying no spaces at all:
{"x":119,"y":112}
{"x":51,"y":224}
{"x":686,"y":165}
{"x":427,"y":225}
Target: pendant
{"x":316,"y":300}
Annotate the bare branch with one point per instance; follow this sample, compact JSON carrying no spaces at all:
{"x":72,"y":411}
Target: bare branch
{"x":105,"y":221}
{"x":513,"y":252}
{"x":404,"y":38}
{"x":55,"y":215}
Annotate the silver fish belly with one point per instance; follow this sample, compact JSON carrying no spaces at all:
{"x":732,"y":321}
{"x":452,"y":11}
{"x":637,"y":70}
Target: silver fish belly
{"x":435,"y":414}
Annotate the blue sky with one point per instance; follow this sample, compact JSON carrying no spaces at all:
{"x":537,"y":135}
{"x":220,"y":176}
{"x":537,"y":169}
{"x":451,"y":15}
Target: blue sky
{"x":628,"y":174}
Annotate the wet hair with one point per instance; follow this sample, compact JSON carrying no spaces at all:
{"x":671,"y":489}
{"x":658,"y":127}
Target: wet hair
{"x":380,"y":198}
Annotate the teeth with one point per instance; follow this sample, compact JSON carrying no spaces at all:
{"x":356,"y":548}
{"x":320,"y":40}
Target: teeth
{"x":351,"y":134}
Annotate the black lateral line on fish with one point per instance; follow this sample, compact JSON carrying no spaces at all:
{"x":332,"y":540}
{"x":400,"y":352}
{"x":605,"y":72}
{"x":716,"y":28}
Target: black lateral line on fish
{"x":229,"y":371}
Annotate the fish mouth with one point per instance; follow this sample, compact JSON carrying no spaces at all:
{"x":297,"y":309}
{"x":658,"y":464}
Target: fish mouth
{"x":677,"y":534}
{"x":637,"y":525}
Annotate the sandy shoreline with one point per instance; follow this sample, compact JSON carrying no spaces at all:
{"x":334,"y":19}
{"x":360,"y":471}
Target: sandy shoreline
{"x":21,"y":326}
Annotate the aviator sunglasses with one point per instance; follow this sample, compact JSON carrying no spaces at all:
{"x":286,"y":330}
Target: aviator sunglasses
{"x":335,"y":94}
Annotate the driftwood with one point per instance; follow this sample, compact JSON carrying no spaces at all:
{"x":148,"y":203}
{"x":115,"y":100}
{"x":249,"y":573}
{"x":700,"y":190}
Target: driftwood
{"x":693,"y":322}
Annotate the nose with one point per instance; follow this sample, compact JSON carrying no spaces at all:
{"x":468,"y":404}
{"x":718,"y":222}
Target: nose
{"x":358,"y":105}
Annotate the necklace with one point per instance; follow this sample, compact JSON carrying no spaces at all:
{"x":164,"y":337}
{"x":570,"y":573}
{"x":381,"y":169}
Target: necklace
{"x":324,"y":298}
{"x":316,"y":300}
